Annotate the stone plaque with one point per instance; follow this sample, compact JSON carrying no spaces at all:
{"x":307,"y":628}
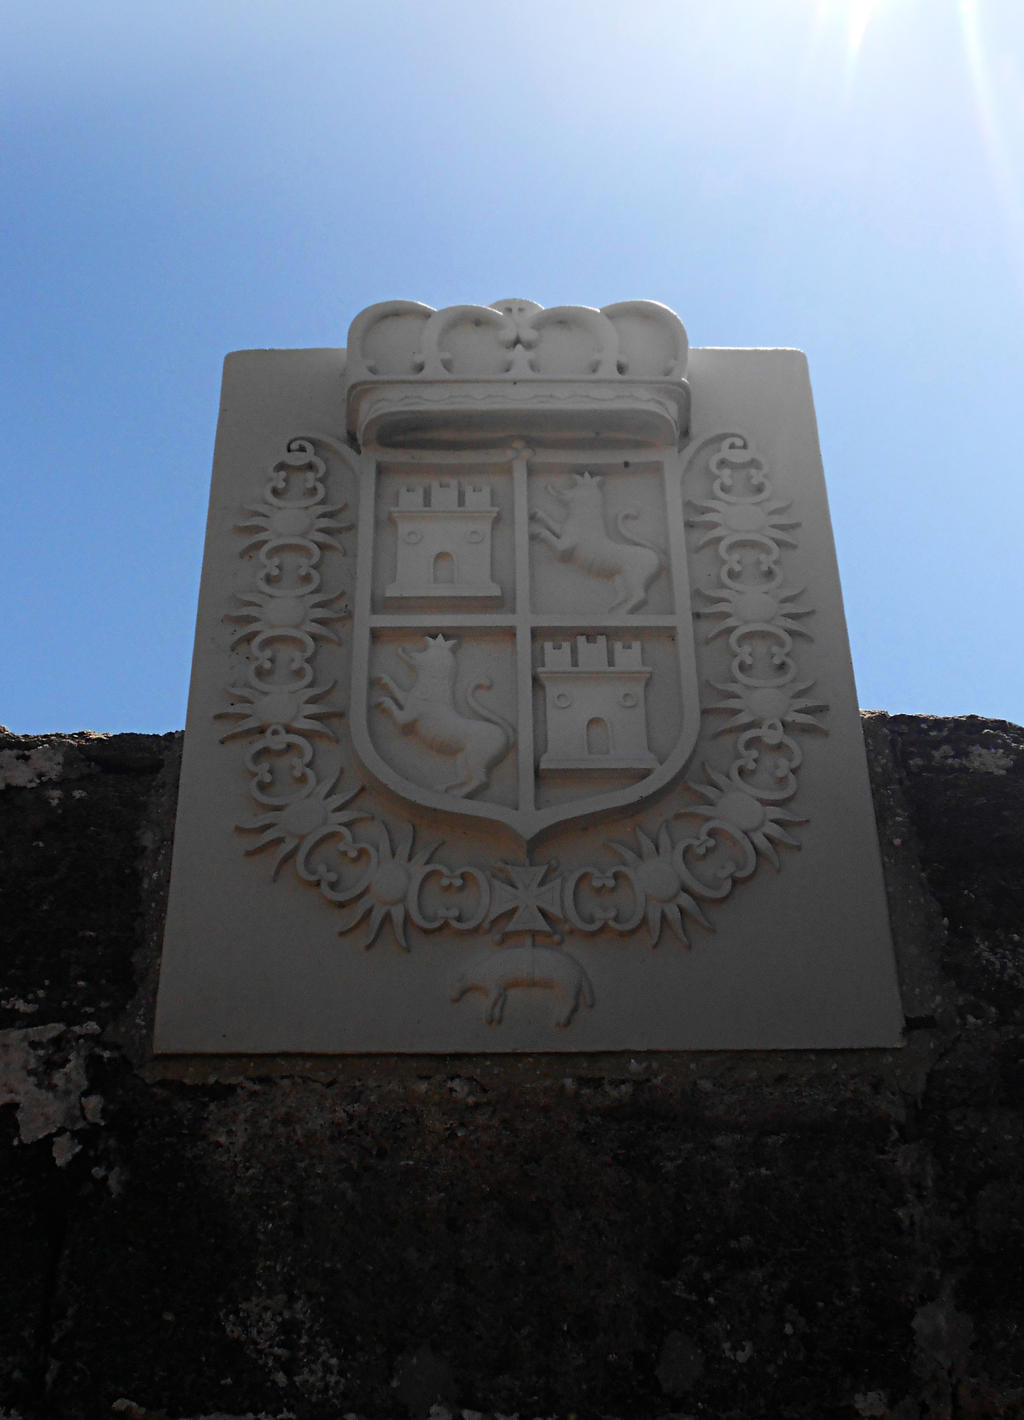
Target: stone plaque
{"x":522,"y":716}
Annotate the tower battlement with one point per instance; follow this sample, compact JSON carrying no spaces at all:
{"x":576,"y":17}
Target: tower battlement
{"x":595,"y":705}
{"x":443,"y":540}
{"x":592,"y":655}
{"x":444,"y":496}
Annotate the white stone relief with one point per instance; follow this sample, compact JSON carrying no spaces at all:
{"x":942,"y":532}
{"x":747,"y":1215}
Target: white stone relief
{"x":427,"y":710}
{"x":763,"y":697}
{"x":410,"y":875}
{"x":598,"y":723}
{"x":287,"y":612}
{"x":678,"y":865}
{"x":416,"y":376}
{"x":483,"y":410}
{"x":302,"y":822}
{"x":533,"y":900}
{"x":595,"y":708}
{"x":443,"y":542}
{"x":581,"y":537}
{"x":496,"y":973}
{"x":638,"y":339}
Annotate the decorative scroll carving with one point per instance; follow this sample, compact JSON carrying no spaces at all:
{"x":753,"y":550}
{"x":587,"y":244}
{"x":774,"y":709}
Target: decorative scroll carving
{"x":383,"y":893}
{"x":764,"y":698}
{"x":282,"y":620}
{"x":582,"y":539}
{"x":463,"y":915}
{"x":661,"y":886}
{"x":306,"y":822}
{"x":289,"y":530}
{"x":274,"y":706}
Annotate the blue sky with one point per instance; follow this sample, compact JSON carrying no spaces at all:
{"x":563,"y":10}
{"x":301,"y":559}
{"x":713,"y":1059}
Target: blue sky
{"x":184,"y":180}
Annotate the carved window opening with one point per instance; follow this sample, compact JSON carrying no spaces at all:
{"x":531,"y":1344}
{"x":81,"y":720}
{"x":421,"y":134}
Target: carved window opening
{"x":599,"y":736}
{"x":444,"y":570}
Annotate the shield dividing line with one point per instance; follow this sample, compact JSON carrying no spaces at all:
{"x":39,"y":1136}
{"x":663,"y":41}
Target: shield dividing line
{"x":523,"y":637}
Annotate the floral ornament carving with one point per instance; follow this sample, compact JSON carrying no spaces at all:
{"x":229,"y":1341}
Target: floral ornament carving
{"x":764,"y":697}
{"x":286,"y":612}
{"x":305,"y":822}
{"x":660,"y":885}
{"x":279,"y":704}
{"x":667,"y":878}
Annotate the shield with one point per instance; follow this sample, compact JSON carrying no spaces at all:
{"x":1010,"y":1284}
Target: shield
{"x":523,"y":637}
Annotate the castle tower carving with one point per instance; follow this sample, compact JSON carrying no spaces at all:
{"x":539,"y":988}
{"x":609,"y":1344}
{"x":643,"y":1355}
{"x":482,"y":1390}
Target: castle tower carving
{"x":444,"y":541}
{"x":595,"y":710}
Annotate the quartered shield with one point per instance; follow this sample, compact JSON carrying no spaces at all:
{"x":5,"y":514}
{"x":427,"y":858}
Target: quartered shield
{"x":523,"y":636}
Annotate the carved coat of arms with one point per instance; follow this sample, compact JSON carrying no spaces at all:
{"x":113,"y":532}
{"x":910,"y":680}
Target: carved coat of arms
{"x":523,"y":645}
{"x":521,"y":683}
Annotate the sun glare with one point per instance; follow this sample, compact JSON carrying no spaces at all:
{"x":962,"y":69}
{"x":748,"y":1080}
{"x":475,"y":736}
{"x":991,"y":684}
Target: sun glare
{"x":854,"y":18}
{"x":1003,"y":165}
{"x":859,"y":14}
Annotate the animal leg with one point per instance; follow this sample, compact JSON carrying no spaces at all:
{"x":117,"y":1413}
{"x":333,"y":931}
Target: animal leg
{"x":563,"y":548}
{"x":571,"y":1009}
{"x":628,"y":596}
{"x":583,"y":992}
{"x":620,"y":590}
{"x":401,"y":716}
{"x":551,"y":540}
{"x":549,"y":523}
{"x":466,"y":785}
{"x":464,"y":782}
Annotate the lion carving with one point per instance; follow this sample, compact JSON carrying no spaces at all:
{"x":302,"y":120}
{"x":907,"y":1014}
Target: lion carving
{"x":582,"y":538}
{"x":428,"y":711}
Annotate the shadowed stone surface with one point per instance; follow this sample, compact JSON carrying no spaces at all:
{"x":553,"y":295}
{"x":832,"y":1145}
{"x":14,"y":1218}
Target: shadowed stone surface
{"x":816,"y":1236}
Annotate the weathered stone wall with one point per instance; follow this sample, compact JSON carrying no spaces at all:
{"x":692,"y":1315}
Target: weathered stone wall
{"x":815,"y":1235}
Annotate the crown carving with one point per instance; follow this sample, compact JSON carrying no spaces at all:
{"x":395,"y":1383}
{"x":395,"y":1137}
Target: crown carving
{"x":476,"y":374}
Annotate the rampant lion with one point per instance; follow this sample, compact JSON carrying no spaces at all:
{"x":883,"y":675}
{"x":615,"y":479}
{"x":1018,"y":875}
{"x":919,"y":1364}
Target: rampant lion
{"x":582,"y":538}
{"x":427,"y":710}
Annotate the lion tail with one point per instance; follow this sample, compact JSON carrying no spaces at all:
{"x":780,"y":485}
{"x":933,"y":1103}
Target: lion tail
{"x":486,"y":713}
{"x":626,"y":516}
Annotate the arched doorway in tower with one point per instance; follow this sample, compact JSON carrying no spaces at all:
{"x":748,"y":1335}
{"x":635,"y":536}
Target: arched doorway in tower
{"x":444,"y":570}
{"x":599,"y":737}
